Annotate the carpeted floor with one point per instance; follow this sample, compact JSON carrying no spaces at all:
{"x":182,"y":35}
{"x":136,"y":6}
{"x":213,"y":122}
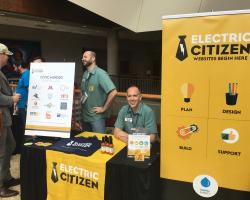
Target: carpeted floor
{"x":15,"y":171}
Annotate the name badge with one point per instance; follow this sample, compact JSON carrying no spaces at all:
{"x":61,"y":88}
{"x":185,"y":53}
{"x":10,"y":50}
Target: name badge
{"x":127,"y":119}
{"x":84,"y":97}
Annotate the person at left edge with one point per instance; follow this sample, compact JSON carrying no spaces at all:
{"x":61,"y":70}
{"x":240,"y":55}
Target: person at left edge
{"x":98,"y":92}
{"x":7,"y":142}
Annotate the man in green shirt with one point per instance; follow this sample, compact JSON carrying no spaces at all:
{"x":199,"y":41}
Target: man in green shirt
{"x":136,"y":115}
{"x":98,"y":92}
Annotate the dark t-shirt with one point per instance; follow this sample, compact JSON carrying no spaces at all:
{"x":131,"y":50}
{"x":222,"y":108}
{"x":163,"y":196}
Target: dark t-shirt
{"x":83,"y":146}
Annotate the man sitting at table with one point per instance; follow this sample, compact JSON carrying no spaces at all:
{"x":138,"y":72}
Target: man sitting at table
{"x":136,"y":115}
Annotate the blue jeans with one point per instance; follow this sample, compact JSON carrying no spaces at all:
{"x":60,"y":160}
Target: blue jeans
{"x":97,"y":126}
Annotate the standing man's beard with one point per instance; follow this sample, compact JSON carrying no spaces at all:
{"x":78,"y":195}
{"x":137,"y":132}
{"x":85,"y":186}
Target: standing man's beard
{"x":87,"y":63}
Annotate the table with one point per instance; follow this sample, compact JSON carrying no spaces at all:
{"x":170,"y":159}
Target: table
{"x":130,"y":180}
{"x":125,"y":179}
{"x":18,"y":132}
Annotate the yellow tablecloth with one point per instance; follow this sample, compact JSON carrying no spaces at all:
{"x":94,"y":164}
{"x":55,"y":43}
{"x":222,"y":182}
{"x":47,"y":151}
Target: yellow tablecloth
{"x":78,"y":177}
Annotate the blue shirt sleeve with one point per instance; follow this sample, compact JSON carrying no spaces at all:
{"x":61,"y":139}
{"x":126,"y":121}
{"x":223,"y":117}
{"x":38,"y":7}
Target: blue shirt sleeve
{"x":26,"y":79}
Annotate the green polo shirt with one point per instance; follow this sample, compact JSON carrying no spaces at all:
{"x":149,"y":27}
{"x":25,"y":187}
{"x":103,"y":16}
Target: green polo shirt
{"x":97,"y":85}
{"x":127,"y":120}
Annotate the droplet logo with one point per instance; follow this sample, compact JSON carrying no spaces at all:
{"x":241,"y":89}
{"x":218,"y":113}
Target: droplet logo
{"x":205,"y":185}
{"x":205,"y":182}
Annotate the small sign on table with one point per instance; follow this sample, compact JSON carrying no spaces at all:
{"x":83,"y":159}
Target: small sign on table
{"x":139,"y":146}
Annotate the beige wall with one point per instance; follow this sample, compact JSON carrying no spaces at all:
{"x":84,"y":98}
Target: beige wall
{"x":145,"y":15}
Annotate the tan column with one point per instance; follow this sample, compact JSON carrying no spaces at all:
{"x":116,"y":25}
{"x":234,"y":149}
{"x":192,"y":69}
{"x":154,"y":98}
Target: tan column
{"x":113,"y":53}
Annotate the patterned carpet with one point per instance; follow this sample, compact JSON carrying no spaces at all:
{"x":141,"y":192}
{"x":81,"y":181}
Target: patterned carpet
{"x":15,"y":171}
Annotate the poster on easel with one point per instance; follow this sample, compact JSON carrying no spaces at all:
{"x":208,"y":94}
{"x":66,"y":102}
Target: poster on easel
{"x":205,"y":108}
{"x":50,"y":99}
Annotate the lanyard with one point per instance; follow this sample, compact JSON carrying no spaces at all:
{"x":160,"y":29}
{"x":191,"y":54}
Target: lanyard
{"x":135,"y":120}
{"x":134,"y":117}
{"x":86,"y":84}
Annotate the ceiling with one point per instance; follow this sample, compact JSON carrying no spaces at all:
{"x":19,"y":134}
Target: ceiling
{"x":21,"y":20}
{"x":134,"y":19}
{"x":146,"y":15}
{"x":56,"y":9}
{"x":56,"y":15}
{"x":27,"y":21}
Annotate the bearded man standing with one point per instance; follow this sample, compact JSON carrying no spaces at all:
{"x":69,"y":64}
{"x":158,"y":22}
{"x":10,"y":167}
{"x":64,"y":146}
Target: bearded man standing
{"x":98,"y":92}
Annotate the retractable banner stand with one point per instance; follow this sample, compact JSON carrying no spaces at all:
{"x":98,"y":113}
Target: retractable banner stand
{"x":205,"y":151}
{"x":50,"y":99}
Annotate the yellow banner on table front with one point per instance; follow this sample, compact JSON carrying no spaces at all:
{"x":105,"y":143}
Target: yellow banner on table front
{"x":205,"y":109}
{"x":76,"y":177}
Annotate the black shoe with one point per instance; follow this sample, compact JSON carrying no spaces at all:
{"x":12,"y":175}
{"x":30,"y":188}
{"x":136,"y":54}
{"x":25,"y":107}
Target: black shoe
{"x":11,"y":182}
{"x":5,"y":192}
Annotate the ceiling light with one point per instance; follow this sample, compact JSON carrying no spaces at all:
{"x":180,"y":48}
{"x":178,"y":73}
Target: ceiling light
{"x":48,"y":21}
{"x":2,"y":14}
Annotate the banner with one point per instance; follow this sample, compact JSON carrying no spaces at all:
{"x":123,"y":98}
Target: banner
{"x":205,"y":101}
{"x":50,"y":99}
{"x":77,"y":177}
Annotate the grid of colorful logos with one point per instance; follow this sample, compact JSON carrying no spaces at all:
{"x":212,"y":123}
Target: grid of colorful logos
{"x":50,"y":99}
